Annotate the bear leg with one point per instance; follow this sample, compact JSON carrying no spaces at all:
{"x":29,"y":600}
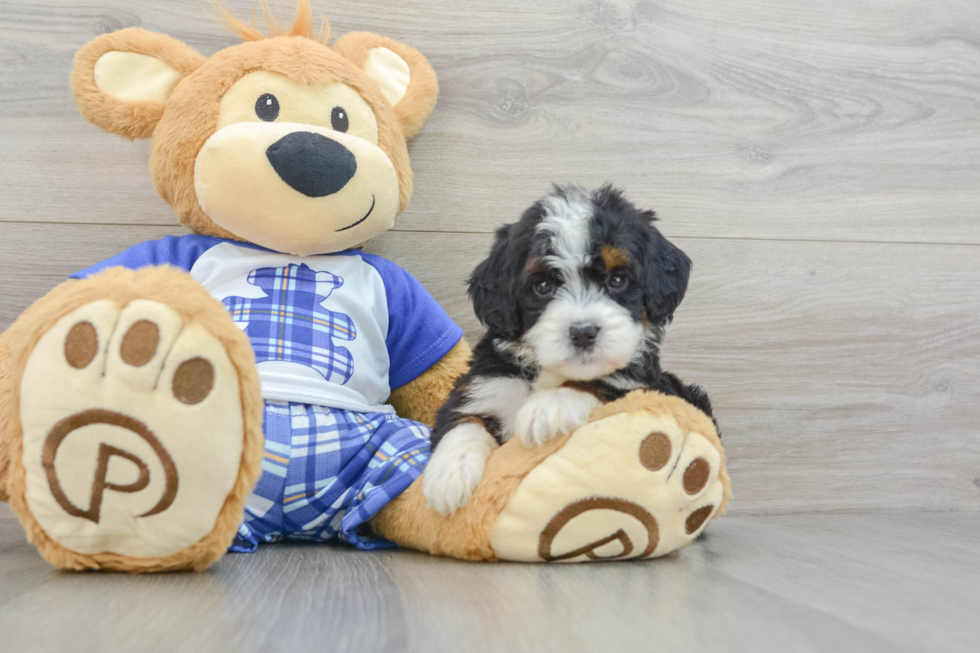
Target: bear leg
{"x":642,"y":479}
{"x":132,"y":422}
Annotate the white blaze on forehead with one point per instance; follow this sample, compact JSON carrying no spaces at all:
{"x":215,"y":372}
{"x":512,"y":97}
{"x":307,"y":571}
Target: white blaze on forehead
{"x":566,"y":221}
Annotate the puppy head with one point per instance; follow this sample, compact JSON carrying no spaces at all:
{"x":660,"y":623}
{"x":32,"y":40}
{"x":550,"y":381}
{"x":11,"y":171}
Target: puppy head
{"x":582,"y":284}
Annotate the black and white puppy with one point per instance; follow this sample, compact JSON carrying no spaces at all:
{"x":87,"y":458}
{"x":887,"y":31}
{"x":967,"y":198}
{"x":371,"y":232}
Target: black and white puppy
{"x":575,"y":297}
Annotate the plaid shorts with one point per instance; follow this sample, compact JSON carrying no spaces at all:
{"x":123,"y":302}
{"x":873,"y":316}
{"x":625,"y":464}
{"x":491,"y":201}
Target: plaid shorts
{"x":327,"y":471}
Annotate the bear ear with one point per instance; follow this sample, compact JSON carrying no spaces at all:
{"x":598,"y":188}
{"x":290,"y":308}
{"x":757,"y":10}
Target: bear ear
{"x":121,"y":81}
{"x":406,"y":78}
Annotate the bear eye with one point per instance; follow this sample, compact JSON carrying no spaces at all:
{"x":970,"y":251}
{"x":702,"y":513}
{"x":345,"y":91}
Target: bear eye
{"x":267,"y":107}
{"x":617,"y":281}
{"x":339,"y":120}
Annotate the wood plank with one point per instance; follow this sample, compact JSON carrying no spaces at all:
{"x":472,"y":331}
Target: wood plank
{"x":856,"y":120}
{"x":845,"y":376}
{"x":787,"y":583}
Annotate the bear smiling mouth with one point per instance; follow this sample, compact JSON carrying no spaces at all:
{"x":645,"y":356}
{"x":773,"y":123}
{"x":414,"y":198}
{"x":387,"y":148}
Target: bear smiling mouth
{"x":350,"y":226}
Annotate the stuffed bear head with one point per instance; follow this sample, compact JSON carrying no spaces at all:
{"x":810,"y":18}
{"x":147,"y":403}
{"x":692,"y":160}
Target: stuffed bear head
{"x":280,"y":141}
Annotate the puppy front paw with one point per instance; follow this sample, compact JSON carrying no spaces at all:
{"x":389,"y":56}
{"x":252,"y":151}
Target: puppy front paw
{"x":456,"y":468}
{"x":548,"y":413}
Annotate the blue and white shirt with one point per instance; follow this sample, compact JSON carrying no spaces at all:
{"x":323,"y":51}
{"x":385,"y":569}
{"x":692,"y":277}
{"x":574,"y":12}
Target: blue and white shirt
{"x":338,"y":330}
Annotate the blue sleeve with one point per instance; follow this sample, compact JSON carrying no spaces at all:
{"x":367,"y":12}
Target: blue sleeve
{"x":420,"y":332}
{"x":178,"y":251}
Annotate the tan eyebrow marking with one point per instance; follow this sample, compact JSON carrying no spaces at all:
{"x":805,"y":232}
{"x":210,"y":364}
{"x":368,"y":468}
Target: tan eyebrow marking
{"x":535,"y":265}
{"x":614,"y":257}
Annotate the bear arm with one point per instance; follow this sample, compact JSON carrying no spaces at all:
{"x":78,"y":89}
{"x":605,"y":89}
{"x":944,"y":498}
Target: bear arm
{"x":420,"y":399}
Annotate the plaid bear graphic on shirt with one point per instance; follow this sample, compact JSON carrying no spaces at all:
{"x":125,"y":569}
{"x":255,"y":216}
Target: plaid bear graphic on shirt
{"x":290,"y":323}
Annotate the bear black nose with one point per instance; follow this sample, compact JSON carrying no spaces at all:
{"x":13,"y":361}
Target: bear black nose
{"x":314,"y":165}
{"x":583,"y":335}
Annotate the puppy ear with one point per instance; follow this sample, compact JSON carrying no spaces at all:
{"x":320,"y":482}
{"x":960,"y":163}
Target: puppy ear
{"x":667,"y":270}
{"x":121,"y":81}
{"x":406,"y":78}
{"x":492,"y":287}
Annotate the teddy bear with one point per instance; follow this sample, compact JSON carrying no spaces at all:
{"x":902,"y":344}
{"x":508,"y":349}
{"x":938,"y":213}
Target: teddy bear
{"x":263,"y":378}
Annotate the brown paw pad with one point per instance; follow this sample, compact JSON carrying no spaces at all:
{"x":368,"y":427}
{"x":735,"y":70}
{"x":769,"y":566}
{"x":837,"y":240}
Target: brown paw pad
{"x":697,"y":518}
{"x":655,"y":451}
{"x":193,"y":381}
{"x":81,"y":345}
{"x":696,"y":475}
{"x":140,"y":343}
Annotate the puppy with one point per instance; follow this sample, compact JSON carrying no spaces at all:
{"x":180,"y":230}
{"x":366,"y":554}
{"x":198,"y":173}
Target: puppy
{"x":575,"y":297}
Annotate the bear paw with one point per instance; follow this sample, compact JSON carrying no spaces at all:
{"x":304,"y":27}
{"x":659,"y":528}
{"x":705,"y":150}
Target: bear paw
{"x":632,"y":485}
{"x":132,"y":429}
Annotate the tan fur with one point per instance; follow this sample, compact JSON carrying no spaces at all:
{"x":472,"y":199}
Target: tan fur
{"x":8,"y":341}
{"x":177,"y":290}
{"x":130,"y":119}
{"x":180,"y":127}
{"x":420,"y":399}
{"x":613,"y":257}
{"x":302,"y":23}
{"x":420,"y":99}
{"x":192,"y":116}
{"x":410,"y":522}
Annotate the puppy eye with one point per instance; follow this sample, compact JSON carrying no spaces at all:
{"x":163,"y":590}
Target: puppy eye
{"x":339,"y":120}
{"x":617,"y":281}
{"x":267,"y":107}
{"x":544,"y":288}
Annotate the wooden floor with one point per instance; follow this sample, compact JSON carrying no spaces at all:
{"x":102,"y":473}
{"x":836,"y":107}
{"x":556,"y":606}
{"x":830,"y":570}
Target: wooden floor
{"x":887,"y":582}
{"x":819,"y":162}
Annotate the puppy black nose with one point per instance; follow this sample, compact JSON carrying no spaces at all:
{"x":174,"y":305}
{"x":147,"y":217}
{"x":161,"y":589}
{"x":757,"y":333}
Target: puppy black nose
{"x":583,"y":335}
{"x":313,"y":164}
